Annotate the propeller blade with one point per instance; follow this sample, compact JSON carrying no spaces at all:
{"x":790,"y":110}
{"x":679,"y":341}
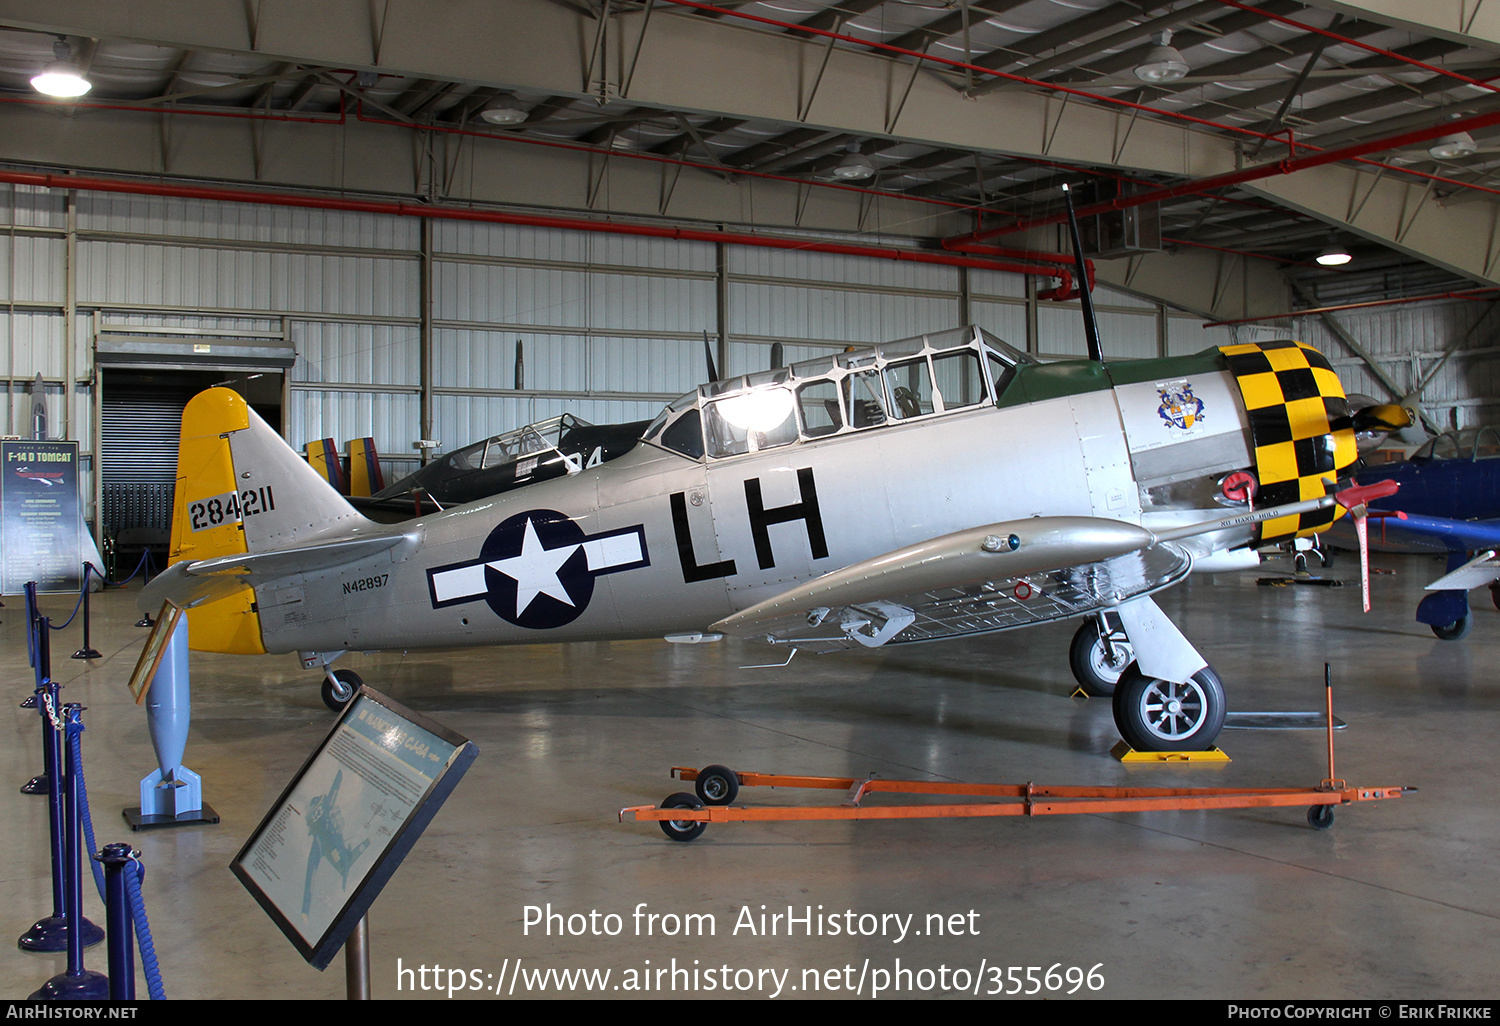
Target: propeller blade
{"x":1362,"y":529}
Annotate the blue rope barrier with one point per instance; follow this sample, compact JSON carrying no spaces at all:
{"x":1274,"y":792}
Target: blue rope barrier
{"x":87,"y":569}
{"x":145,"y":561}
{"x":132,"y":877}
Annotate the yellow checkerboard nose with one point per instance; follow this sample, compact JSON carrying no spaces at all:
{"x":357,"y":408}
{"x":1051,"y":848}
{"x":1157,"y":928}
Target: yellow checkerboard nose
{"x":1300,"y":428}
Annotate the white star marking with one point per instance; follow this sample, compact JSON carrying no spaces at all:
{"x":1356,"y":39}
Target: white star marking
{"x":535,"y":570}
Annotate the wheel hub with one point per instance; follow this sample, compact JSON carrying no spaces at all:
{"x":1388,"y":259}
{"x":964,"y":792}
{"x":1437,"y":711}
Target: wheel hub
{"x":1173,"y":711}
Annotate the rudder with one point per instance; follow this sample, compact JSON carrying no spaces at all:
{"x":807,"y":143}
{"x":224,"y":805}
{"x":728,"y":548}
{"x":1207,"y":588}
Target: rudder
{"x":242,"y":489}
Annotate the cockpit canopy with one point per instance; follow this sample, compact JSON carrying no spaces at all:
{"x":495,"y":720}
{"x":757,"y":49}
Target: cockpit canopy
{"x":926,"y":376}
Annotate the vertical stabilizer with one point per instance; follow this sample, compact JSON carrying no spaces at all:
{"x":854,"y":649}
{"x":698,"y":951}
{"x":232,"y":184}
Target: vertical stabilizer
{"x":200,"y":527}
{"x":323,"y":456}
{"x":365,"y":478}
{"x":241,"y":488}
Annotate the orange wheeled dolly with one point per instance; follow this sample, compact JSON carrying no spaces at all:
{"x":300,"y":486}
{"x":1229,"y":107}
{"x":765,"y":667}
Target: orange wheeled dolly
{"x":685,"y":815}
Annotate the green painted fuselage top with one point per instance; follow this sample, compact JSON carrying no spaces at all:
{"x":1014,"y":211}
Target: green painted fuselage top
{"x":1034,"y":382}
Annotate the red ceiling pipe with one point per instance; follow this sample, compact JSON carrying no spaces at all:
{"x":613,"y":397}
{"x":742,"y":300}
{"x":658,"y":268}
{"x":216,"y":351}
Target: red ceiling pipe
{"x":1330,"y":34}
{"x":399,"y":209}
{"x":1061,"y":259}
{"x":1064,"y":289}
{"x":1285,"y":166}
{"x":949,"y":62}
{"x":360,"y":115}
{"x":1482,"y":294}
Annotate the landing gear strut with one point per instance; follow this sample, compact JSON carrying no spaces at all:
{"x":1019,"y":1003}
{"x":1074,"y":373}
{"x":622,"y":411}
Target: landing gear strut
{"x":1098,"y":656}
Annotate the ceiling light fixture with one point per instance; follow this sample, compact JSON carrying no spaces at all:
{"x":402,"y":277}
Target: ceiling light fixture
{"x":1163,"y":63}
{"x":854,"y":167}
{"x":62,"y":78}
{"x":1459,"y":144}
{"x":1334,"y":254}
{"x":503,"y":114}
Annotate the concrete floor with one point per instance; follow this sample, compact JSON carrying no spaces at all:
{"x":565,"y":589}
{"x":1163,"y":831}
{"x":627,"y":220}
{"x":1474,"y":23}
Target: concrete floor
{"x":1399,"y":900}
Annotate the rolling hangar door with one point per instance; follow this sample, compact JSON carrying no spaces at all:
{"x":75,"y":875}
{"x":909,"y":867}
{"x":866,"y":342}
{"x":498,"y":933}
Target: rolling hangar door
{"x":147,"y":372}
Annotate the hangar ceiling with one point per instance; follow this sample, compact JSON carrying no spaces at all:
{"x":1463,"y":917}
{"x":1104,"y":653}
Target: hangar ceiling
{"x":1291,"y":127}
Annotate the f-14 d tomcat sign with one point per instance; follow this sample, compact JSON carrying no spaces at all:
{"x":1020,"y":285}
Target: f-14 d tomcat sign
{"x":932,"y":488}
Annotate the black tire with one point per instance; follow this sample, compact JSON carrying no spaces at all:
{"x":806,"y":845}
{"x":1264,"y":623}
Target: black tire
{"x":1495,"y":593}
{"x":1163,"y":716}
{"x":1320,"y":817}
{"x":1299,"y":563}
{"x":1456,"y":630}
{"x":682,"y":829}
{"x":1093,"y":669}
{"x":339,"y":687}
{"x":717,"y":785}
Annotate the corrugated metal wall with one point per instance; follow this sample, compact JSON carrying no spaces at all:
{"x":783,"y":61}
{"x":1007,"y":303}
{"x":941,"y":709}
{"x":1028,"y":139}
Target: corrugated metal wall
{"x":1409,"y":344}
{"x":611,"y":326}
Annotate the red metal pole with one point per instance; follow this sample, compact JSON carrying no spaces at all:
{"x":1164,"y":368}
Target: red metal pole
{"x":1285,"y":166}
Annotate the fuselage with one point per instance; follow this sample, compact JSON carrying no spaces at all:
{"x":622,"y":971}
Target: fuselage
{"x":747,"y":488}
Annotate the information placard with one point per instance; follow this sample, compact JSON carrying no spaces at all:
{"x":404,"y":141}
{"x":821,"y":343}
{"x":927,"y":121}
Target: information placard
{"x":342,"y":826}
{"x":40,"y":527}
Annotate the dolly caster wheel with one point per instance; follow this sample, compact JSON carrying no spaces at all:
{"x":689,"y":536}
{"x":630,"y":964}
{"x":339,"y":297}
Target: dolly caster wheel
{"x":682,"y":829}
{"x":717,"y":785}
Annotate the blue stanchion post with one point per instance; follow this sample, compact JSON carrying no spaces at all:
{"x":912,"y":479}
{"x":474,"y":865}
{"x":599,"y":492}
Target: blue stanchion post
{"x":37,"y":784}
{"x":87,"y":651}
{"x":52,"y":933}
{"x":116,"y":859}
{"x":75,"y":983}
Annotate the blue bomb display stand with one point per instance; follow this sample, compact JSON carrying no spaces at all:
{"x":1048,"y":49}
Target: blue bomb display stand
{"x":326,"y":848}
{"x":172,"y":794}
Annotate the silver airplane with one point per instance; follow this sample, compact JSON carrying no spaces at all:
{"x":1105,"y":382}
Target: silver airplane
{"x":936,"y":487}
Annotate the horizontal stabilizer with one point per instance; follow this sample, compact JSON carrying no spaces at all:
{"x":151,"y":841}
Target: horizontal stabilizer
{"x":1481,"y":570}
{"x":190,"y":583}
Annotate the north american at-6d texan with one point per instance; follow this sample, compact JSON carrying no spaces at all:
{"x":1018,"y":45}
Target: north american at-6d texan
{"x":937,"y":487}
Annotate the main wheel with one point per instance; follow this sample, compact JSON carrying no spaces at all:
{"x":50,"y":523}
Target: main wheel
{"x":717,"y":785}
{"x":1097,"y":666}
{"x":1454,"y":631}
{"x":1167,"y":716}
{"x":682,"y":829}
{"x":339,"y":687}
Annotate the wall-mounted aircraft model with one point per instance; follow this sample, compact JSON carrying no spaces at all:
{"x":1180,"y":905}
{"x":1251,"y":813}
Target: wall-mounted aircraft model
{"x":936,"y":487}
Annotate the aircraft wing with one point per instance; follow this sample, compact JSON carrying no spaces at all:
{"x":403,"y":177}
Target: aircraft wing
{"x":1453,"y":535}
{"x":1010,"y":574}
{"x":191,"y":582}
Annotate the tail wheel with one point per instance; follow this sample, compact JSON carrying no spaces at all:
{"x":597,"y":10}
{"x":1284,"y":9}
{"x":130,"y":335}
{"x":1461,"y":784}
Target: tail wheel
{"x":339,"y":687}
{"x":1169,"y":716}
{"x":1454,"y":631}
{"x":1098,"y":659}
